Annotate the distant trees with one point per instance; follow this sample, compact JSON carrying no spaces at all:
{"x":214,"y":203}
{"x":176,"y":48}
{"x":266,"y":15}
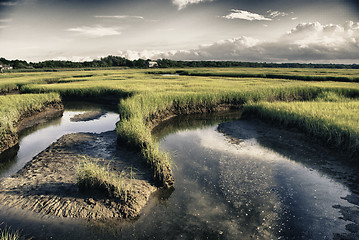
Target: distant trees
{"x":116,"y":61}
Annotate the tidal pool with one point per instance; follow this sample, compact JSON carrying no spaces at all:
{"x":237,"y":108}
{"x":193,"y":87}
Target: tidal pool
{"x":34,"y":140}
{"x":233,"y":180}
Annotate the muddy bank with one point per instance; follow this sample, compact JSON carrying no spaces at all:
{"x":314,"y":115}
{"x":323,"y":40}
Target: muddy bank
{"x":87,"y":116}
{"x":47,"y":184}
{"x":30,"y":119}
{"x":155,"y":119}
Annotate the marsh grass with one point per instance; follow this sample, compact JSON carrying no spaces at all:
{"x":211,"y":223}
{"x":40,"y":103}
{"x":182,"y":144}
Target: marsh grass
{"x":6,"y":233}
{"x":13,"y":108}
{"x":146,"y":99}
{"x":330,"y":117}
{"x":92,"y":175}
{"x":347,"y":75}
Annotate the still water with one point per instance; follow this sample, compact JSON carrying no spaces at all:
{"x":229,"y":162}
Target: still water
{"x":234,"y":180}
{"x":36,"y":139}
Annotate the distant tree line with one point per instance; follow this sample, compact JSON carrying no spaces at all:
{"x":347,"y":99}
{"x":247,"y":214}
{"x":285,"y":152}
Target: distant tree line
{"x":115,"y":61}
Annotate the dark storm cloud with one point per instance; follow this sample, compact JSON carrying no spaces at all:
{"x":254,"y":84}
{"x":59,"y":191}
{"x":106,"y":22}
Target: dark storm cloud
{"x":354,"y":4}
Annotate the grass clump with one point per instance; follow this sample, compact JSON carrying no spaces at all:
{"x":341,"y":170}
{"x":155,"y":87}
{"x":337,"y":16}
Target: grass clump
{"x":94,"y":176}
{"x":7,"y":233}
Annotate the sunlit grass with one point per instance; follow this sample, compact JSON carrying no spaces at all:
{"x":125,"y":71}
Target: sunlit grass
{"x":94,"y":176}
{"x":330,"y":118}
{"x":13,"y":107}
{"x":6,"y":233}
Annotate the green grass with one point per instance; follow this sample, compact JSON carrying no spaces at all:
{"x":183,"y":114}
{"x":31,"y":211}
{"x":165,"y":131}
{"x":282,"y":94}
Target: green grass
{"x":144,"y":99}
{"x":331,"y":118}
{"x":14,"y":107}
{"x":94,"y":176}
{"x":341,"y":75}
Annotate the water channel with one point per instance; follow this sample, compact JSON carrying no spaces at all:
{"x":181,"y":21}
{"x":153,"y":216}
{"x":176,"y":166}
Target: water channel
{"x":235,"y":179}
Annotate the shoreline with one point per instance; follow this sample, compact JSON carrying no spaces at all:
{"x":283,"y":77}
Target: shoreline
{"x":25,"y":191}
{"x":27,"y":120}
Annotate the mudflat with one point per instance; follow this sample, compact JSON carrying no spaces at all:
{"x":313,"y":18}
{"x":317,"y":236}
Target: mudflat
{"x":88,"y":116}
{"x":47,"y":184}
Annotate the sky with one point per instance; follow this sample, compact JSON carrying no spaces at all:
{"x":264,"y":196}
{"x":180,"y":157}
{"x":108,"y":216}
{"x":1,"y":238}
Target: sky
{"x":305,"y":31}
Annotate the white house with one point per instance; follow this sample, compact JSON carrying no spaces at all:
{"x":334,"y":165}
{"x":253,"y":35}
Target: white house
{"x":5,"y":68}
{"x":152,"y":64}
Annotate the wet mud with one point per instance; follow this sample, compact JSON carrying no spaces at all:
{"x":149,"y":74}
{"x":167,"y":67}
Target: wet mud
{"x":87,"y":116}
{"x":47,"y":184}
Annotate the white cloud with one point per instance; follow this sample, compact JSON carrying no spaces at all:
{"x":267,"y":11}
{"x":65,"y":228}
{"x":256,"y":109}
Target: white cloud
{"x":75,"y":58}
{"x":325,"y":40}
{"x":121,"y":17}
{"x":274,"y":14}
{"x":307,"y":42}
{"x":183,"y":3}
{"x":222,"y":50}
{"x":245,"y":15}
{"x":146,"y":54}
{"x":95,"y":31}
{"x":294,"y":18}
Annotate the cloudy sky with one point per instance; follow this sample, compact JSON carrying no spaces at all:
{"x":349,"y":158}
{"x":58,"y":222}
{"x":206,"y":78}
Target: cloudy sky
{"x":318,"y":31}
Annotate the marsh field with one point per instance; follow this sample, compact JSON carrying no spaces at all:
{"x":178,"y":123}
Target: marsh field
{"x":216,"y":153}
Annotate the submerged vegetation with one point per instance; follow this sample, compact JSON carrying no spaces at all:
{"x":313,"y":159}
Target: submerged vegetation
{"x":145,"y":99}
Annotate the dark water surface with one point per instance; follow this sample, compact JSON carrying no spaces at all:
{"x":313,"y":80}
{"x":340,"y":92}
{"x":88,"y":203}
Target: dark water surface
{"x":239,"y":180}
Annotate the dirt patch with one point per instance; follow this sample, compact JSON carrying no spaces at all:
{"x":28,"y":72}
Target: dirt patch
{"x":47,"y":184}
{"x":87,"y":116}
